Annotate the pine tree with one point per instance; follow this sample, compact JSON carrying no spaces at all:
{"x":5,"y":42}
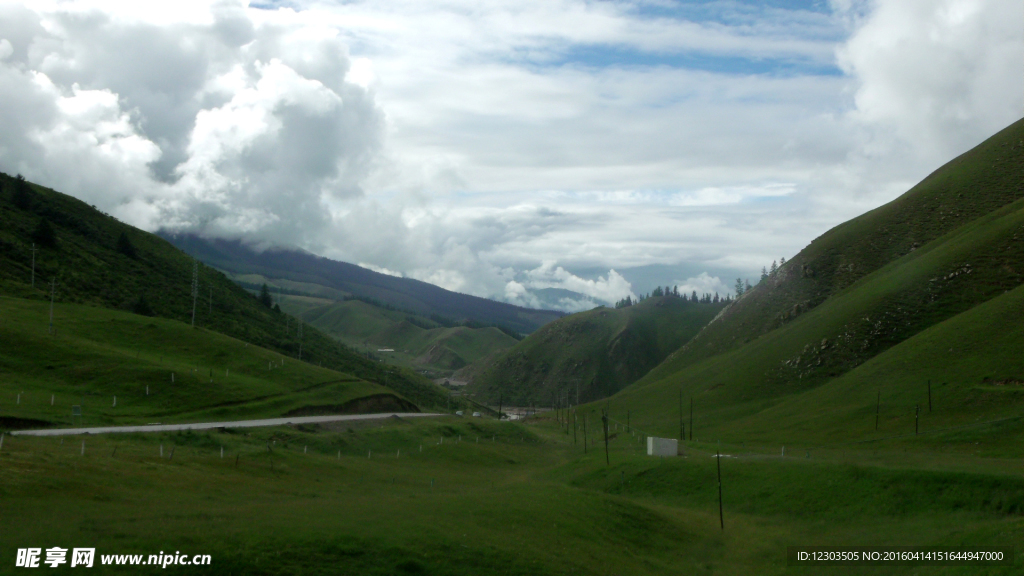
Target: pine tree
{"x":739,"y":287}
{"x":22,"y":195}
{"x":747,"y":286}
{"x":774,"y":269}
{"x":764,"y":273}
{"x":782,"y":261}
{"x":265,"y":298}
{"x":693,"y":297}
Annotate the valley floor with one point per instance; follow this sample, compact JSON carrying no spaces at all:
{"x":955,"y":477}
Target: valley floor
{"x":473,"y":496}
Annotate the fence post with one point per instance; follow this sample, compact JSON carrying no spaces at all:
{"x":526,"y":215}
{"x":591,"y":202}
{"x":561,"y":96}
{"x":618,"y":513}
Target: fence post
{"x":721,"y":518}
{"x":604,"y":423}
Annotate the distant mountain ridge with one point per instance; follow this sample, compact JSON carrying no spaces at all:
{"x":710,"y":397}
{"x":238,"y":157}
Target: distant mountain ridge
{"x":235,"y":257}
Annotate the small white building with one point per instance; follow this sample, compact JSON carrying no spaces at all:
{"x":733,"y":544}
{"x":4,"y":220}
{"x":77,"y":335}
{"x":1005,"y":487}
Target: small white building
{"x":662,"y":446}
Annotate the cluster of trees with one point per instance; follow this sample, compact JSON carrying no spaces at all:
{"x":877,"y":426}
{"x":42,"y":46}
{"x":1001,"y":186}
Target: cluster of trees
{"x":742,"y":287}
{"x":267,"y":300}
{"x":767,"y":273}
{"x":673,"y":291}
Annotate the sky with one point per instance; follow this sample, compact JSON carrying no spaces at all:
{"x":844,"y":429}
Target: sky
{"x":506,"y":148}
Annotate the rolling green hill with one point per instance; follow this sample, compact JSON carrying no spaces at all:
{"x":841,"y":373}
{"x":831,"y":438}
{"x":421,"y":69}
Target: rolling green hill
{"x":971,"y":186}
{"x":599,"y":351}
{"x":157,"y":370}
{"x":417,"y":342}
{"x":924,"y":288}
{"x":96,"y":260}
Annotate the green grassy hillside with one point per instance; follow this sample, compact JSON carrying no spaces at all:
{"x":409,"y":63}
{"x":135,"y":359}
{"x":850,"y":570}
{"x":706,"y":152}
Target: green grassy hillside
{"x":971,"y":186}
{"x":947,"y":311}
{"x":600,"y":351}
{"x":94,"y":259}
{"x":418,"y":342}
{"x":972,"y":362}
{"x":158,"y":370}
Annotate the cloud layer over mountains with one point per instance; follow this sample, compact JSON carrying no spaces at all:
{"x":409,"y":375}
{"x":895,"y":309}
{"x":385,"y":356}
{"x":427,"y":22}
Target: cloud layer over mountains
{"x":503,"y":148}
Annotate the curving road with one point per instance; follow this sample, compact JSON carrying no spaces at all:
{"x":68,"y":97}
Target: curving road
{"x":208,"y":425}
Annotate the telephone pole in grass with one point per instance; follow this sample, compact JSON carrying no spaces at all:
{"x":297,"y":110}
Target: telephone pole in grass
{"x":568,"y":408}
{"x":721,"y":518}
{"x":53,"y":288}
{"x":604,"y":423}
{"x":878,"y":406}
{"x":585,"y":441}
{"x":682,"y":430}
{"x":34,"y":264}
{"x":575,"y":424}
{"x":195,"y":289}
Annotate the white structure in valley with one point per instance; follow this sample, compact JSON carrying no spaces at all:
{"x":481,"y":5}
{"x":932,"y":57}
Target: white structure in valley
{"x":662,"y":446}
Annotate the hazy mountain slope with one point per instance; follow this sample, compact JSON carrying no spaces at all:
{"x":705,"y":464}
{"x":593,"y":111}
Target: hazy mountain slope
{"x":599,"y":351}
{"x":972,"y":185}
{"x":419,"y":297}
{"x":91,"y":265}
{"x":418,"y":342}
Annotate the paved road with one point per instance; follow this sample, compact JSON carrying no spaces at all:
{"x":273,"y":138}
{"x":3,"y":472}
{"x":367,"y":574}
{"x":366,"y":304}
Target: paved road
{"x":208,"y":425}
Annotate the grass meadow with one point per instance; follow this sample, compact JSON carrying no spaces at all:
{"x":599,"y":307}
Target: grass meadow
{"x":472,"y":496}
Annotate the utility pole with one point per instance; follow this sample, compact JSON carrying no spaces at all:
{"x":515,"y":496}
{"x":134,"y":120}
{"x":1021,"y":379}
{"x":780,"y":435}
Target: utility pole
{"x":195,"y":288}
{"x":604,"y":424}
{"x":585,"y":441}
{"x":682,"y":430}
{"x":34,"y":264}
{"x":878,"y":406}
{"x":721,"y":519}
{"x":568,"y":407}
{"x":53,"y":288}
